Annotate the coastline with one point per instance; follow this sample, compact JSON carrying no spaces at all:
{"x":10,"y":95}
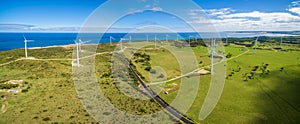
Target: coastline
{"x":64,"y":46}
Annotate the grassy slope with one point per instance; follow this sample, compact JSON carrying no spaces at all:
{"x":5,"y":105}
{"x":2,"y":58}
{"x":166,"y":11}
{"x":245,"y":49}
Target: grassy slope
{"x":272,"y":98}
{"x":259,"y":100}
{"x":52,"y":94}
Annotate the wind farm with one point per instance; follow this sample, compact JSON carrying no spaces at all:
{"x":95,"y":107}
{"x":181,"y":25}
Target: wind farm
{"x":240,"y":59}
{"x":144,"y":61}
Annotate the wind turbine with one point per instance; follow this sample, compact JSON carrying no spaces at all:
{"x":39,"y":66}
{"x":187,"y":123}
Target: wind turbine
{"x":110,"y":40}
{"x":226,"y":38}
{"x":80,"y":42}
{"x":155,"y":42}
{"x":213,"y":43}
{"x":77,"y":52}
{"x":167,"y":37}
{"x":130,"y":38}
{"x":281,"y":42}
{"x":121,"y":43}
{"x":177,"y":37}
{"x":78,"y":48}
{"x":190,"y":40}
{"x":147,"y":37}
{"x":25,"y":45}
{"x":255,"y":44}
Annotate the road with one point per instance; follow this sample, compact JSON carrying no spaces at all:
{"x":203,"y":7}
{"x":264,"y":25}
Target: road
{"x":158,"y":99}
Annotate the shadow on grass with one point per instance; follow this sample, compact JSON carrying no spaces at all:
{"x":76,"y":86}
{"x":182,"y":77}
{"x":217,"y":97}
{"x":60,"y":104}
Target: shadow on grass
{"x":280,"y":96}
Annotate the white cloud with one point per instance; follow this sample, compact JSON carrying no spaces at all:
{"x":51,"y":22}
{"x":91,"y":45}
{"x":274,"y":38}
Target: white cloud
{"x":222,"y":11}
{"x":295,"y":10}
{"x":157,"y":9}
{"x":294,"y":7}
{"x":228,"y":19}
{"x":211,"y":12}
{"x":147,"y":7}
{"x":295,"y":3}
{"x":265,"y":17}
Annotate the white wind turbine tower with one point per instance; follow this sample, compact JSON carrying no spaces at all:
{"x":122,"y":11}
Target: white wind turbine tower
{"x":155,"y":42}
{"x":167,"y":37}
{"x":129,"y":38}
{"x":77,"y":52}
{"x":25,"y":45}
{"x":110,"y":40}
{"x":121,"y":43}
{"x":147,"y":37}
{"x":226,"y":38}
{"x":281,"y":42}
{"x":190,"y":40}
{"x":177,"y":37}
{"x":78,"y":48}
{"x":255,"y":44}
{"x":80,"y":42}
{"x":213,"y":43}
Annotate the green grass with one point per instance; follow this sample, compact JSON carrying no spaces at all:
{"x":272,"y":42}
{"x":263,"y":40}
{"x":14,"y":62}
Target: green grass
{"x":51,"y":96}
{"x":259,"y":100}
{"x":270,"y":98}
{"x":163,"y":59}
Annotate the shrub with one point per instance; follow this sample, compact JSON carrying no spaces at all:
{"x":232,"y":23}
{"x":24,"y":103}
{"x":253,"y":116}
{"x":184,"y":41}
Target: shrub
{"x":148,"y":68}
{"x":200,"y":62}
{"x":8,"y":86}
{"x":281,"y":69}
{"x":152,"y":71}
{"x":24,"y":90}
{"x":228,"y":55}
{"x":161,"y":76}
{"x":46,"y":119}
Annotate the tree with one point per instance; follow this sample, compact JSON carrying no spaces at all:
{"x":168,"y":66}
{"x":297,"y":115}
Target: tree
{"x":152,"y":71}
{"x":228,"y":55}
{"x":161,"y":76}
{"x":148,"y":68}
{"x":281,"y":69}
{"x":200,"y":62}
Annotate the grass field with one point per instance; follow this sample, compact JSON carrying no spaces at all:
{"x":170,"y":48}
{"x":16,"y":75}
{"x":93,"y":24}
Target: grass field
{"x":269,"y":97}
{"x":263,"y":99}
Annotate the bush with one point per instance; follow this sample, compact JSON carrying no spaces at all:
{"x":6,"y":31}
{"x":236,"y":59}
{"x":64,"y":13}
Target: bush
{"x":46,"y":119}
{"x":25,"y":90}
{"x":200,"y":62}
{"x":152,"y":71}
{"x":148,"y":68}
{"x":161,"y":76}
{"x":228,"y":55}
{"x":8,"y":86}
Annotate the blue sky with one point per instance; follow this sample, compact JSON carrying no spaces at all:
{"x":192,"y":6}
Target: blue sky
{"x":225,"y":15}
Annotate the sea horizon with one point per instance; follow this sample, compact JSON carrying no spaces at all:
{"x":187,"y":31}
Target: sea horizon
{"x":15,"y":40}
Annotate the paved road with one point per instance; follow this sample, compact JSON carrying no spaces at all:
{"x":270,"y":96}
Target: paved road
{"x":158,"y":99}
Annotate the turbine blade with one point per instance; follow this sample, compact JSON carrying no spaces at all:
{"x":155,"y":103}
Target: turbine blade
{"x":24,"y":37}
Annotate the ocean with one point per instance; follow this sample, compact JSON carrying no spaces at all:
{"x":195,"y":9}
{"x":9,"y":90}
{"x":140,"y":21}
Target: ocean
{"x":9,"y":41}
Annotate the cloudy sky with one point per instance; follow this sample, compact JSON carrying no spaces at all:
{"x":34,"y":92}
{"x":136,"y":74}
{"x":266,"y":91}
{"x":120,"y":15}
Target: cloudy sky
{"x":225,"y":15}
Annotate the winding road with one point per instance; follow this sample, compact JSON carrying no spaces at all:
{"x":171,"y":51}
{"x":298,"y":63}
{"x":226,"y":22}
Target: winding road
{"x":158,"y":99}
